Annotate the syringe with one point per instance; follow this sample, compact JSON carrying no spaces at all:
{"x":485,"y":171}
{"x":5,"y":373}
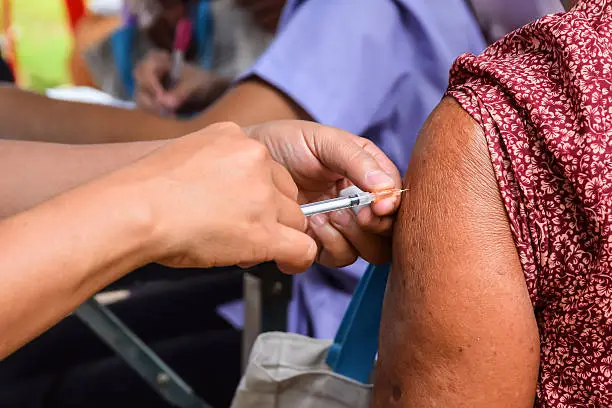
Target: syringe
{"x":353,"y":200}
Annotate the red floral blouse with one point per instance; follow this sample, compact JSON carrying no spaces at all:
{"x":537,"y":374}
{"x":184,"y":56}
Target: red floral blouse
{"x":543,"y":96}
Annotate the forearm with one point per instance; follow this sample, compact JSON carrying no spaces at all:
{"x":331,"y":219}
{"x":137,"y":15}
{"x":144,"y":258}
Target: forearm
{"x":34,"y":172}
{"x":28,"y":116}
{"x":60,"y":253}
{"x":220,"y":86}
{"x":249,"y":103}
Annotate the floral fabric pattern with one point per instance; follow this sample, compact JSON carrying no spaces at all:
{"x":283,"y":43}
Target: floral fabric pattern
{"x":543,"y":96}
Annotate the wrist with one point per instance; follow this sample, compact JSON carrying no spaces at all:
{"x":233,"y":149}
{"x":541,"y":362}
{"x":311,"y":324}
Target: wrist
{"x":133,"y":219}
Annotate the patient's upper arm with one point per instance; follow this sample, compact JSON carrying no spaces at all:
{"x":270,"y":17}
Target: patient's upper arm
{"x":458,"y":327}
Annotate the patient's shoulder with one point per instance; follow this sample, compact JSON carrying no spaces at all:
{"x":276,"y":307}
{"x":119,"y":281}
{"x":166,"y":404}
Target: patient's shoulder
{"x":451,"y":162}
{"x":457,"y":286}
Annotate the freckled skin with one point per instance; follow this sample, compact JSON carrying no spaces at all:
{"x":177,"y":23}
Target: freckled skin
{"x":458,"y":328}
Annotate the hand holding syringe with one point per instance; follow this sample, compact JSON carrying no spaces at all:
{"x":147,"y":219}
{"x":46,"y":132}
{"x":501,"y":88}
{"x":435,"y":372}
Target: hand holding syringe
{"x":357,"y":199}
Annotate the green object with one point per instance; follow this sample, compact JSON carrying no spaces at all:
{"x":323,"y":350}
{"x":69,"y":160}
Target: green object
{"x":43,"y":43}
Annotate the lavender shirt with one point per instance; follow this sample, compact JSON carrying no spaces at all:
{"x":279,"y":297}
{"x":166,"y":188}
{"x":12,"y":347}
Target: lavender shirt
{"x":498,"y":17}
{"x":375,"y":68}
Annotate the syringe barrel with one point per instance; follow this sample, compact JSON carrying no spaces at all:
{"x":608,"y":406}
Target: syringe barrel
{"x":330,"y":205}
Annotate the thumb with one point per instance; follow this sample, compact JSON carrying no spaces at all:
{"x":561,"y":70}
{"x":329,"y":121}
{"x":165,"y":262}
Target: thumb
{"x":356,"y":158}
{"x":292,"y":250}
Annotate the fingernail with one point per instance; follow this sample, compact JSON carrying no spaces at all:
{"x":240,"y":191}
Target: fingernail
{"x":385,"y":207}
{"x":341,"y":217}
{"x":379,"y":179}
{"x":317,"y":220}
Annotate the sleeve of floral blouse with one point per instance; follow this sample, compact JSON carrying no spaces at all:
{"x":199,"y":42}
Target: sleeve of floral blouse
{"x":458,"y":327}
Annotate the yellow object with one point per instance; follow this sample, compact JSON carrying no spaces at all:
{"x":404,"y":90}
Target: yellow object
{"x":40,"y":33}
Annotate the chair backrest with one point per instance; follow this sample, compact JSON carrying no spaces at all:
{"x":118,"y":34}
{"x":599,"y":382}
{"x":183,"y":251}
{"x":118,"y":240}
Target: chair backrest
{"x":356,"y":344}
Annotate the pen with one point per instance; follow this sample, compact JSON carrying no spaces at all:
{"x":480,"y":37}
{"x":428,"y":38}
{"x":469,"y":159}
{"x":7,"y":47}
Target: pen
{"x":182,"y":38}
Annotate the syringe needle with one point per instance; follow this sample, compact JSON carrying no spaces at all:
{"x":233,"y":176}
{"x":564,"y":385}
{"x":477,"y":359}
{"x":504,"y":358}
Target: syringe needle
{"x":381,"y":195}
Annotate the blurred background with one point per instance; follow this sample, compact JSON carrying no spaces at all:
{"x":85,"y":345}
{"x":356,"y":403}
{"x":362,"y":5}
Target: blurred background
{"x":38,"y":37}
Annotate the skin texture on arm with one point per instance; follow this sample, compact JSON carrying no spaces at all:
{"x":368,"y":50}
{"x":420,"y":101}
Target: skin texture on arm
{"x":57,"y":255}
{"x":35,"y":171}
{"x":27,"y":116}
{"x":458,"y":326}
{"x":251,"y":102}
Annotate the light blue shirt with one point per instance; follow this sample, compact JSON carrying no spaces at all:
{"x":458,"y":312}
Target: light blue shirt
{"x":376,"y":68}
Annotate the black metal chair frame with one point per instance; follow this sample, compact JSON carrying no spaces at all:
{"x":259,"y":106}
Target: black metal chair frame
{"x":267,"y":293}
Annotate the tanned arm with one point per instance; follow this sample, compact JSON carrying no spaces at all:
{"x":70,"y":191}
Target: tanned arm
{"x":60,"y":253}
{"x":458,"y":326}
{"x":28,"y":116}
{"x":251,"y":102}
{"x":34,"y":172}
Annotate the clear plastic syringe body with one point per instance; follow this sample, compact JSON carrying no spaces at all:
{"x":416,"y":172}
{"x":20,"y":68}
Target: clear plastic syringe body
{"x":335,"y":204}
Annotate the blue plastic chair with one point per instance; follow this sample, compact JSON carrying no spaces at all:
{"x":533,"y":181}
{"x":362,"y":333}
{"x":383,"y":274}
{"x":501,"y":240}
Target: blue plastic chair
{"x":356,"y":344}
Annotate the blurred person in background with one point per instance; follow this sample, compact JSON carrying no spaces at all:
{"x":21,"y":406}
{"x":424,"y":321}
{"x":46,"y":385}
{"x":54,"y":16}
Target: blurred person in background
{"x":225,"y":40}
{"x":495,"y":18}
{"x":250,"y":32}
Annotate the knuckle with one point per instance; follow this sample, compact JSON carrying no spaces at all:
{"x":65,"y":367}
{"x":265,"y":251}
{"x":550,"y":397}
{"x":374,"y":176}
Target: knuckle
{"x":152,"y":54}
{"x":227,"y":127}
{"x":229,"y":132}
{"x":257,"y":151}
{"x":262,"y":201}
{"x":140,"y":101}
{"x":379,"y":226}
{"x":267,"y":194}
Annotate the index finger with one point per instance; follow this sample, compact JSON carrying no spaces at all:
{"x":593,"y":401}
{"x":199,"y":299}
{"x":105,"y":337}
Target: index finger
{"x":149,"y":74}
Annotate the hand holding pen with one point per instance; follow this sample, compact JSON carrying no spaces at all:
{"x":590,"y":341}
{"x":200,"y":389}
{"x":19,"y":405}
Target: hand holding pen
{"x":182,"y":39}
